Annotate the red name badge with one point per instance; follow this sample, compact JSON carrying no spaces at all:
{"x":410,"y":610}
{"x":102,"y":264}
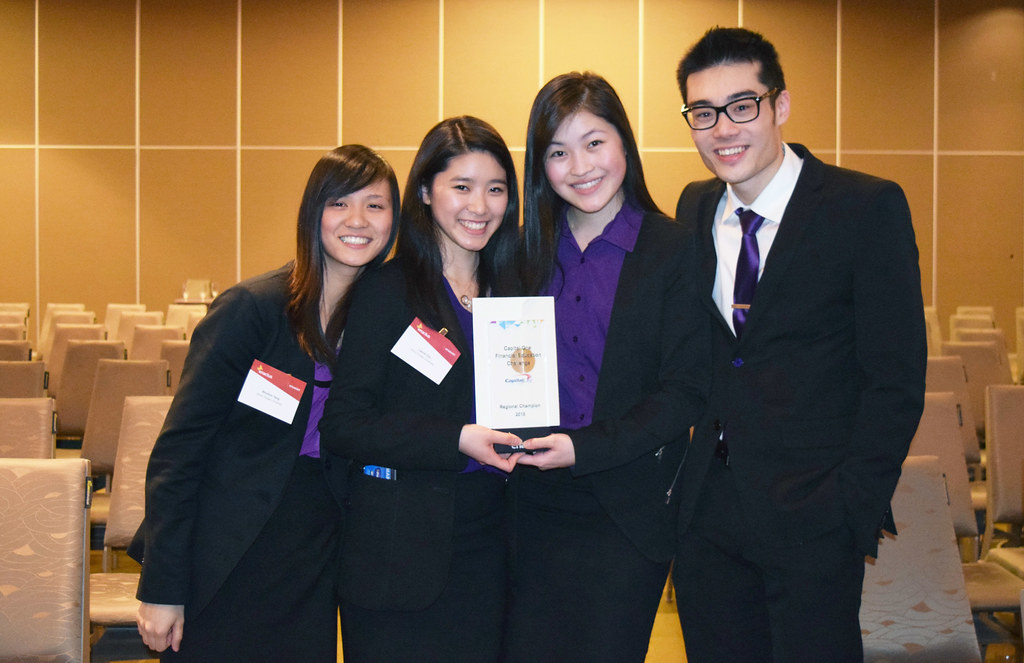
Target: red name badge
{"x":426,"y":350}
{"x":272,"y":391}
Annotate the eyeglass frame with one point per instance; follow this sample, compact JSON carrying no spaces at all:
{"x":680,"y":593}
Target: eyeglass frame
{"x":719,"y":110}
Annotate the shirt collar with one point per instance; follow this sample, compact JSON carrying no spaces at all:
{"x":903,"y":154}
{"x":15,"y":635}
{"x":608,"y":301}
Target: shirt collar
{"x":622,"y":231}
{"x":771,"y":202}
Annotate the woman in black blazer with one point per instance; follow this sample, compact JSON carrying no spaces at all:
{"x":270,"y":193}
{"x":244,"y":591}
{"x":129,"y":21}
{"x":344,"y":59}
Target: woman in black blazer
{"x":592,"y":526}
{"x":242,"y":524}
{"x":423,"y":569}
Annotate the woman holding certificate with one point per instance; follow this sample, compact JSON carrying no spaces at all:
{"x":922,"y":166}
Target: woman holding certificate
{"x":243,"y":516}
{"x":592,"y":526}
{"x":423,"y":570}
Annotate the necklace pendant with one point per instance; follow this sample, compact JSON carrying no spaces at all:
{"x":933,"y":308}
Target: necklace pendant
{"x":467,"y":303}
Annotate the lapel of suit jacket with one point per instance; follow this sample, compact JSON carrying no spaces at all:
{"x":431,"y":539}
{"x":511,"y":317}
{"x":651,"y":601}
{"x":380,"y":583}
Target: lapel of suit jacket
{"x":450,"y":321}
{"x":800,"y":212}
{"x":706,"y":208}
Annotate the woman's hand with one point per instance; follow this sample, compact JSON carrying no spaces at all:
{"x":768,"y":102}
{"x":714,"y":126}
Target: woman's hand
{"x":161,"y":626}
{"x":553,"y":451}
{"x":478,"y":442}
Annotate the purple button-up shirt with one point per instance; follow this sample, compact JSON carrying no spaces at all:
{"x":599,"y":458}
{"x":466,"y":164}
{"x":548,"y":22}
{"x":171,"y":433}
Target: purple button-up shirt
{"x":321,"y":387}
{"x":584,"y":290}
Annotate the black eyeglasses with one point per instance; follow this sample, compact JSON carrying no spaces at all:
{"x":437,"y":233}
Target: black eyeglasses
{"x":739,"y":111}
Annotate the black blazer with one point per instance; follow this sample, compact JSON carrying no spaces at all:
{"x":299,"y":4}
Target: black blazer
{"x":219,"y":467}
{"x":820,"y":398}
{"x":398,"y":537}
{"x":651,"y":389}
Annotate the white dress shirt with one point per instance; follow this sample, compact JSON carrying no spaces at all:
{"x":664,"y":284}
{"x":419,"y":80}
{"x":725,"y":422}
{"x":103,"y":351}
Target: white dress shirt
{"x":771,"y":204}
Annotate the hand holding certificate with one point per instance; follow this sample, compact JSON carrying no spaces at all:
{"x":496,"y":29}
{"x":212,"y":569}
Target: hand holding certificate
{"x":515,"y":361}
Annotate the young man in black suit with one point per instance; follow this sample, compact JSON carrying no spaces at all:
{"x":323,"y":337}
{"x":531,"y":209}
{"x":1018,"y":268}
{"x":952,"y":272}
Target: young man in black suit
{"x":818,"y":351}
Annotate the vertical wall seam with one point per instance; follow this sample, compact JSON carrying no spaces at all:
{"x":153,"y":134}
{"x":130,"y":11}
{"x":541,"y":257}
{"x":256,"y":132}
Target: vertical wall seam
{"x":839,"y":82}
{"x":640,"y":74}
{"x":935,"y":155}
{"x":238,"y":143}
{"x":540,"y":43}
{"x":35,"y":167}
{"x":341,"y":43}
{"x":138,"y":151}
{"x":440,"y":60}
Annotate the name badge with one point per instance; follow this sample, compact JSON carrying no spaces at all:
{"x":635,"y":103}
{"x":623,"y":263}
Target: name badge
{"x":426,"y":350}
{"x":272,"y":391}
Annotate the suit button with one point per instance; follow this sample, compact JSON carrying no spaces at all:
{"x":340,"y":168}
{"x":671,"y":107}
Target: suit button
{"x":737,"y":362}
{"x":717,"y":426}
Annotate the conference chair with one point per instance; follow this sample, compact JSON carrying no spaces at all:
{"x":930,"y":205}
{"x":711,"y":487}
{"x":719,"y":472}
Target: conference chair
{"x":44,"y":559}
{"x":914,"y":604}
{"x":47,"y":323}
{"x":75,"y":391}
{"x":112,"y":317}
{"x":12,"y":331}
{"x":22,"y":379}
{"x":174,"y":352}
{"x":147,"y":340}
{"x":130,"y":319}
{"x":63,"y":318}
{"x":933,"y":329}
{"x":985,"y":363}
{"x":27,"y":428}
{"x":62,"y":333}
{"x":178,"y":314}
{"x":15,"y":350}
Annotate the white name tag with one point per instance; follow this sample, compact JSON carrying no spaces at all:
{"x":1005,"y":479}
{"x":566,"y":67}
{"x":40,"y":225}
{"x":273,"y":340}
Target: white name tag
{"x":426,"y":350}
{"x":272,"y":391}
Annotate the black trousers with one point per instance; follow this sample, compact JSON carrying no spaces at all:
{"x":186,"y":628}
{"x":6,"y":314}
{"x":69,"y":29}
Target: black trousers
{"x":744,"y":602}
{"x":279,"y":602}
{"x":464,"y":624}
{"x":581,"y":591}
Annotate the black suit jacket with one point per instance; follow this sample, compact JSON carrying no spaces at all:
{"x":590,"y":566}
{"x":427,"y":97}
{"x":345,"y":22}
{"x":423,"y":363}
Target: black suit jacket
{"x":820,"y":398}
{"x":398,"y":537}
{"x":651,"y":389}
{"x":219,"y":467}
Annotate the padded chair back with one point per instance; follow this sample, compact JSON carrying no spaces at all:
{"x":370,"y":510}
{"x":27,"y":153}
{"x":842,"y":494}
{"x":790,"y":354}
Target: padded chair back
{"x":63,"y":333}
{"x":22,"y":379}
{"x":112,"y":317}
{"x":938,"y":434}
{"x":115,"y":380}
{"x":12,"y":318}
{"x":194,"y":318}
{"x":21,"y":308}
{"x":934,"y":331}
{"x":948,"y":374}
{"x":63,"y":318}
{"x":1004,"y":441}
{"x":1019,"y":326}
{"x":15,"y":350}
{"x":174,"y":352}
{"x":914,"y":604}
{"x":985,"y":363}
{"x":148,"y":338}
{"x":178,"y":314}
{"x":962,"y":321}
{"x":44,"y":532}
{"x":986,"y":311}
{"x":971,"y":334}
{"x":12,"y":331}
{"x":27,"y":428}
{"x":130,"y":319}
{"x":77,"y":379}
{"x":141,"y":422}
{"x":51,"y":309}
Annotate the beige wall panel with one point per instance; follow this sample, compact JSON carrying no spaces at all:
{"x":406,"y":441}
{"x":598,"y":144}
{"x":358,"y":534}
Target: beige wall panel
{"x":914,"y":174}
{"x":981,"y":51}
{"x":804,"y":33}
{"x":18,"y":248}
{"x":87,"y":72}
{"x":87,"y":227}
{"x":17,"y":72}
{"x":668,"y":172}
{"x":491,"y":73}
{"x":272,"y":186}
{"x":670,"y":28}
{"x":887,"y":74}
{"x":389,"y":71}
{"x":290,"y":73}
{"x":187,"y":221}
{"x":603,"y":38}
{"x":401,"y":161}
{"x":980,"y":237}
{"x":188,"y":62}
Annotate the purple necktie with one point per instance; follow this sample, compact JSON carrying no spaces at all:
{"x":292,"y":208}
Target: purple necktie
{"x":746,"y":268}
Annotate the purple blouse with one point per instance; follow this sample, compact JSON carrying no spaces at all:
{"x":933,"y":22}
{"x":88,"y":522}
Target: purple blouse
{"x":584,"y":290}
{"x":321,"y":387}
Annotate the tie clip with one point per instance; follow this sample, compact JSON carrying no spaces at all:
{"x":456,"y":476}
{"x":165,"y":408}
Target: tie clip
{"x":741,"y":306}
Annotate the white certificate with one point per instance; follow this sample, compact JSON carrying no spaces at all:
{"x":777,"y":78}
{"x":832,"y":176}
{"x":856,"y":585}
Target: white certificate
{"x":515,"y":361}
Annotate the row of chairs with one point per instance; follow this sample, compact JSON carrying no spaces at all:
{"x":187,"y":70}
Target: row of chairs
{"x":51,"y":606}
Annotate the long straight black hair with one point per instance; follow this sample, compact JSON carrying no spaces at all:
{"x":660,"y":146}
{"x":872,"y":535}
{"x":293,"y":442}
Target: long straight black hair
{"x":340,"y":172}
{"x":419,"y":238}
{"x":561,"y":98}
